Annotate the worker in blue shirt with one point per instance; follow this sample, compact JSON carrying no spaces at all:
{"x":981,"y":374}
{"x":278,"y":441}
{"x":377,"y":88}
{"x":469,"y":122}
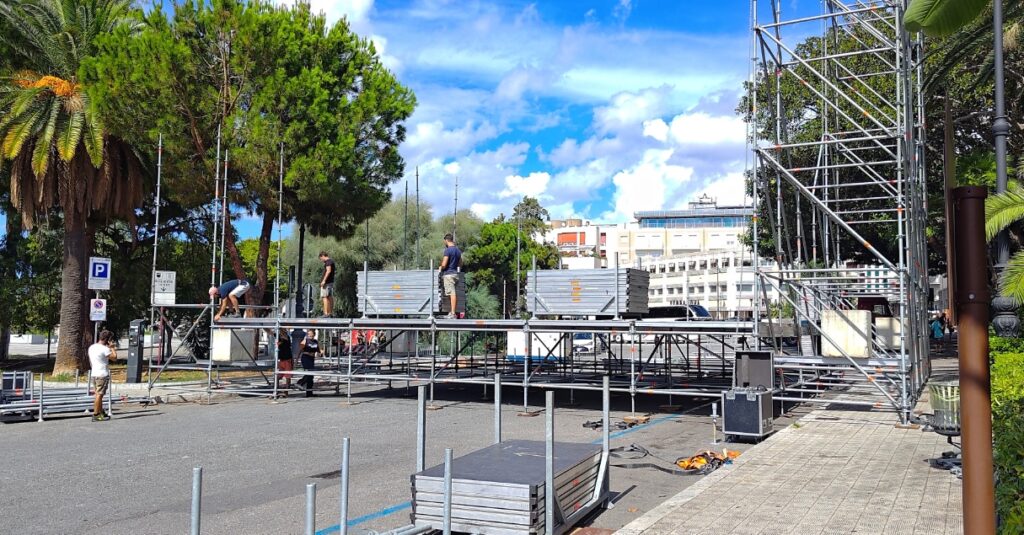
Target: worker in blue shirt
{"x":229,"y":292}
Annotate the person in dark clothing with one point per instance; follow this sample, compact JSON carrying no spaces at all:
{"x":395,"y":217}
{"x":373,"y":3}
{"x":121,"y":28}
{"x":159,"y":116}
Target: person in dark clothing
{"x":285,"y":363}
{"x":327,"y":283}
{"x":229,"y":292}
{"x":450,"y":264}
{"x":310,"y":348}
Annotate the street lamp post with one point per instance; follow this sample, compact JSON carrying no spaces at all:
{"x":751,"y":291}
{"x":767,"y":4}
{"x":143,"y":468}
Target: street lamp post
{"x":1004,"y":318}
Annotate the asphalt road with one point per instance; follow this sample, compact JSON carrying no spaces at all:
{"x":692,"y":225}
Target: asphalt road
{"x":132,"y":475}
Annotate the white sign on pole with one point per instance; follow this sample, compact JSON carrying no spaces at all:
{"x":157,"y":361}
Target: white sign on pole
{"x":97,"y":310}
{"x":164,"y":283}
{"x":99,"y":273}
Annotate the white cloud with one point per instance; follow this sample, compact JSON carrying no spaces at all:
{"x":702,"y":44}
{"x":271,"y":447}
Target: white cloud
{"x":648,"y":185}
{"x":622,"y":10}
{"x":729,"y":190}
{"x":428,"y":140}
{"x":355,"y":11}
{"x":656,"y":129}
{"x":630,"y":109}
{"x":532,"y":185}
{"x":380,"y":44}
{"x":703,"y":129}
{"x":485,"y":211}
{"x":452,"y":168}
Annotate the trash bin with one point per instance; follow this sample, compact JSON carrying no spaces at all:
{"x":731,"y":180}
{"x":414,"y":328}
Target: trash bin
{"x":944,"y":397}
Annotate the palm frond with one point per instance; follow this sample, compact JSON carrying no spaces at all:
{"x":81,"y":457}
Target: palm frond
{"x":93,"y":138}
{"x":1003,"y":210}
{"x":70,"y":136}
{"x":938,"y":18}
{"x":19,"y":133}
{"x":44,"y":141}
{"x":1011,"y":280}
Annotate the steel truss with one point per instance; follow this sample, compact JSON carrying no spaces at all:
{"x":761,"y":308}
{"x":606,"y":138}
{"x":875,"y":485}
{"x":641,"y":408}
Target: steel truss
{"x":689,"y":359}
{"x":863,"y":176}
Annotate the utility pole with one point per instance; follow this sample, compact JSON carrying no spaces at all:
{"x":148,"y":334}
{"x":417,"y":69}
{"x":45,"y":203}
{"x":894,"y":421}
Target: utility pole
{"x":519,"y":231}
{"x":405,"y":230}
{"x":455,"y":212}
{"x":972,"y":298}
{"x":417,"y":217}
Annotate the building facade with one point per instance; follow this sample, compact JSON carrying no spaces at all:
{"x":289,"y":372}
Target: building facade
{"x":695,"y":255}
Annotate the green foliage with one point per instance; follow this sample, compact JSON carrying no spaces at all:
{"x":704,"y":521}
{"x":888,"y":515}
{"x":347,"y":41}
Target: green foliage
{"x":480,"y":303}
{"x":249,"y":249}
{"x":1008,"y":432}
{"x":530,"y":215}
{"x":493,"y":260}
{"x":392,"y":246}
{"x":939,"y":18}
{"x":272,"y":76}
{"x":999,"y":344}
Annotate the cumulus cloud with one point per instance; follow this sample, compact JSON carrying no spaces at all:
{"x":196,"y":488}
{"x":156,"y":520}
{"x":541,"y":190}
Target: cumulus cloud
{"x":648,"y":185}
{"x":532,"y":185}
{"x":355,"y":11}
{"x":703,"y":129}
{"x":427,"y":140}
{"x":629,"y":109}
{"x":729,"y":190}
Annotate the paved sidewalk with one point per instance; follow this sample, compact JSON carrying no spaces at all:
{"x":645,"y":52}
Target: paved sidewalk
{"x":833,"y":472}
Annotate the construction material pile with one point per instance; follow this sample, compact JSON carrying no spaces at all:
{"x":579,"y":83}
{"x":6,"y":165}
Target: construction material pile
{"x":588,"y":292}
{"x":406,"y":293}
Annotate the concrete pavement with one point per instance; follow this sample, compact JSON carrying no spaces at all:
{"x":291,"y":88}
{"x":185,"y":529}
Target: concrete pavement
{"x":833,"y":472}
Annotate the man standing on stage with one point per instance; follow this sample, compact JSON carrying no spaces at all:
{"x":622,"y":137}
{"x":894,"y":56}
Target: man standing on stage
{"x":327,"y":284}
{"x":450,"y":265}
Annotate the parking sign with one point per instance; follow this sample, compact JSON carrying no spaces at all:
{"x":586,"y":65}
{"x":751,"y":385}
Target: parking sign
{"x":99,"y":273}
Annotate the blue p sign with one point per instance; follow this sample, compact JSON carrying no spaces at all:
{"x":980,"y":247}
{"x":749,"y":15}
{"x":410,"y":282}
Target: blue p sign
{"x":99,"y":273}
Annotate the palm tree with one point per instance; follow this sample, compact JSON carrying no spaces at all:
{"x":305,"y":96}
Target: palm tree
{"x":61,"y":159}
{"x":1001,"y":211}
{"x":939,"y":18}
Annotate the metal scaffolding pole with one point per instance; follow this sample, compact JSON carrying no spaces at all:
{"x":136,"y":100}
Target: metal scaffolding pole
{"x":862,"y":177}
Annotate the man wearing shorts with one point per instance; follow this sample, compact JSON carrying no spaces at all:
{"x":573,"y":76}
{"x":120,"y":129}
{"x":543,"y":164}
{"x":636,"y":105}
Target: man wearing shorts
{"x":327,"y":284}
{"x":229,"y":292}
{"x":100,"y":354}
{"x":450,"y":264}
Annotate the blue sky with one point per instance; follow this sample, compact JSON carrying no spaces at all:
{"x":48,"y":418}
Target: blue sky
{"x":599,"y":108}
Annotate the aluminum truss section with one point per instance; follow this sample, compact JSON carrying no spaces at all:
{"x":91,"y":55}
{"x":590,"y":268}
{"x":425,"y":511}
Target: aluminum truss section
{"x":837,"y":139}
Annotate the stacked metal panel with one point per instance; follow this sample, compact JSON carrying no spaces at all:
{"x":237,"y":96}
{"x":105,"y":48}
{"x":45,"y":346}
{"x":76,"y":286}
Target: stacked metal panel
{"x":406,"y":293}
{"x":587,"y":292}
{"x":499,"y":490}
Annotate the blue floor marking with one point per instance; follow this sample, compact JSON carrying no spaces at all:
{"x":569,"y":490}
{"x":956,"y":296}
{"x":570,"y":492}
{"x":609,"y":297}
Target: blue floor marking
{"x":624,"y":432}
{"x":365,"y":518}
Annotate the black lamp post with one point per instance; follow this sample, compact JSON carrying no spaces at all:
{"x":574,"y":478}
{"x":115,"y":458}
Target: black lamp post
{"x":1004,"y":309}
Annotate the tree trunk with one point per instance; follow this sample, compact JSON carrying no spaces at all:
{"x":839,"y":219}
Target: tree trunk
{"x":236,"y":257}
{"x":5,"y":341}
{"x":74,"y":309}
{"x":263,"y":258}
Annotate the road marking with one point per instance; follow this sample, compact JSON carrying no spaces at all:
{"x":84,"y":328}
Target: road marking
{"x":365,"y":518}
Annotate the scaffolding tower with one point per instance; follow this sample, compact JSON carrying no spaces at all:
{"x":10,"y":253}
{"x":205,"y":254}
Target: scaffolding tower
{"x":837,"y":135}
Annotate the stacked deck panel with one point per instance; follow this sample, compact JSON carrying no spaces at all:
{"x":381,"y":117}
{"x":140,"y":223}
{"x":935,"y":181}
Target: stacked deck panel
{"x":499,"y":490}
{"x":406,"y":293}
{"x":588,"y":292}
